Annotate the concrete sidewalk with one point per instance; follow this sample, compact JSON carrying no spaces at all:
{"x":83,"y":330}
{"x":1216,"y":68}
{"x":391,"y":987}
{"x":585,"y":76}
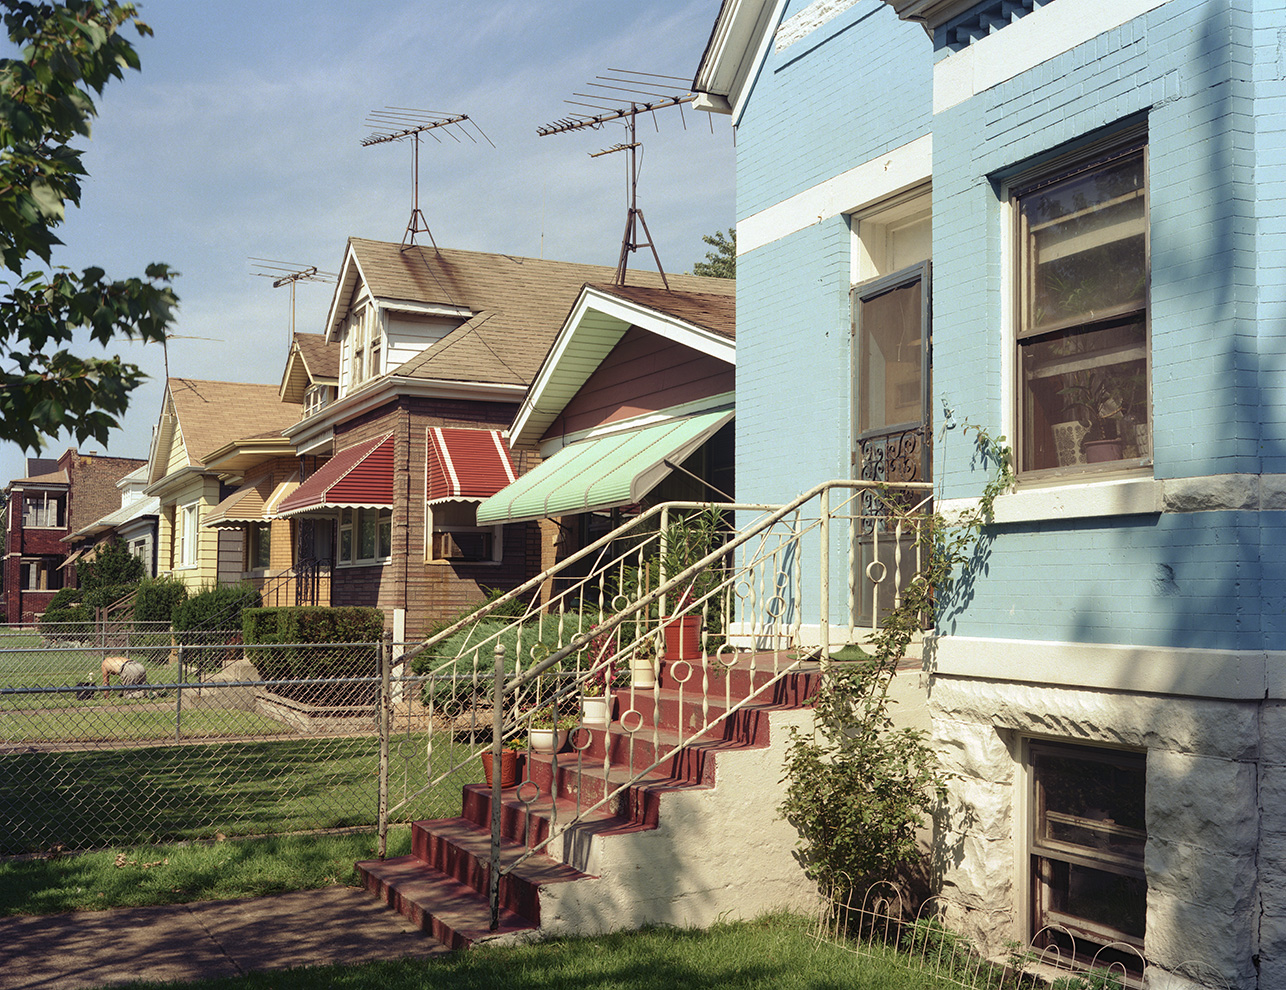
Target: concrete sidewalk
{"x":204,"y":940}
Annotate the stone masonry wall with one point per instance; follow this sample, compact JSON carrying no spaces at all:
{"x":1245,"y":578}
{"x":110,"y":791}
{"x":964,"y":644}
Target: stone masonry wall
{"x":1205,"y":763}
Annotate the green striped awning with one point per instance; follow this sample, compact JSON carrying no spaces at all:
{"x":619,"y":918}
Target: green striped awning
{"x":617,"y":469}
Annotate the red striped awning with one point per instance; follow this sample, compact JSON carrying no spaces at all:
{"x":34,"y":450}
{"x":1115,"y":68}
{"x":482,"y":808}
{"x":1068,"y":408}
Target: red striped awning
{"x":361,"y":475}
{"x":466,"y":465}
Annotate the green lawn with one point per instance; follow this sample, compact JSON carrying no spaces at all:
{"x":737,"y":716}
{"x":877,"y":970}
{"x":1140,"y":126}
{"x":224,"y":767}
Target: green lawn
{"x":774,"y":952}
{"x":176,"y":873}
{"x":98,"y":798}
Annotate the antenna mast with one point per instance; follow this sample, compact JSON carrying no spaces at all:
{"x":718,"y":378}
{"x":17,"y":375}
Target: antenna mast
{"x":401,"y":123}
{"x":655,"y":92}
{"x":286,"y":273}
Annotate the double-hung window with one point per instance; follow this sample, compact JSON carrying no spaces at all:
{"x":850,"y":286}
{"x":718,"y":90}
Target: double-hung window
{"x":187,"y":534}
{"x":365,"y":535}
{"x":1081,"y":312}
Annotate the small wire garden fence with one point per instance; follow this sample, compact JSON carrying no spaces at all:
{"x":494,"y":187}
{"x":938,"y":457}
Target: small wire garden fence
{"x":210,"y":740}
{"x":882,"y":919}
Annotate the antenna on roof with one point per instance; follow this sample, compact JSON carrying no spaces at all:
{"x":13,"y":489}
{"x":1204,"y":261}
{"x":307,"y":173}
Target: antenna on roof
{"x":288,"y":273}
{"x":401,"y":123}
{"x":649,"y":92}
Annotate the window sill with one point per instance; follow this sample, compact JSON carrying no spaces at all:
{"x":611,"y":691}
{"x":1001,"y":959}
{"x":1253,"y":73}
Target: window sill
{"x":436,"y":562}
{"x":1088,"y":500}
{"x":375,"y":562}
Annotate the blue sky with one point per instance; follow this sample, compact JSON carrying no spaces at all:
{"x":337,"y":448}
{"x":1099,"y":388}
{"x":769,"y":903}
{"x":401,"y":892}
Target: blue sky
{"x":241,"y":138}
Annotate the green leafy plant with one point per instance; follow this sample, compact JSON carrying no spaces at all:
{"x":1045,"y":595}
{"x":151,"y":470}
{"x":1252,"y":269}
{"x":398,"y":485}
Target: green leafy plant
{"x":112,"y":564}
{"x":858,"y":787}
{"x":157,"y":598}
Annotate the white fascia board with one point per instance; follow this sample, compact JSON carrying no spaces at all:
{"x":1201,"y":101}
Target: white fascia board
{"x":625,"y":313}
{"x":737,"y":50}
{"x":349,"y":270}
{"x":662,"y":324}
{"x":423,"y":308}
{"x":1040,"y":36}
{"x":711,"y":403}
{"x":864,"y":185}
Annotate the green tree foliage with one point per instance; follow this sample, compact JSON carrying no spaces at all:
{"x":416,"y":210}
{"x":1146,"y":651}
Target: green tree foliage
{"x":67,"y":50}
{"x":113,"y":564}
{"x":722,"y":261}
{"x":158,"y":598}
{"x":216,"y":608}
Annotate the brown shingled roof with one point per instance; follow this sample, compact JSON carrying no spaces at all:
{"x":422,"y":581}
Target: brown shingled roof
{"x":320,"y":357}
{"x":716,"y":313}
{"x":213,"y":414}
{"x":518,"y":304}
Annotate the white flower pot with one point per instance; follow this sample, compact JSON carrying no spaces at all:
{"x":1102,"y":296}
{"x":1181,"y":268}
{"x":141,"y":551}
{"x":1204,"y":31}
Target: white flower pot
{"x":546,"y":740}
{"x":594,"y":709}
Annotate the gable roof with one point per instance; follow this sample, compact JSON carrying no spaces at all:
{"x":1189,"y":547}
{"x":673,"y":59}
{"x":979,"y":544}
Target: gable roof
{"x":212,"y":415}
{"x":601,"y":316}
{"x":512,"y":306}
{"x":313,"y":360}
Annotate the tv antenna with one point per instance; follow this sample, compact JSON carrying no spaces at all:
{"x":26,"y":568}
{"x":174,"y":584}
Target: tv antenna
{"x":648,"y":92}
{"x":288,"y":273}
{"x":405,"y":123}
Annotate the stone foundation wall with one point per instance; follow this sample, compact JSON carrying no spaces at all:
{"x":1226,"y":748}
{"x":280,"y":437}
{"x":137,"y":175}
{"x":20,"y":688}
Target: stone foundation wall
{"x":1213,"y":859}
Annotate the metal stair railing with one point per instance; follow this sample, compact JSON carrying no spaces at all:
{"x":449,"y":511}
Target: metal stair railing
{"x":746,"y":590}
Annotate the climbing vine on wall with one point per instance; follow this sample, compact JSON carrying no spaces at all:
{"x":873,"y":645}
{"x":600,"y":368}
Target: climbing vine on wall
{"x":858,"y":787}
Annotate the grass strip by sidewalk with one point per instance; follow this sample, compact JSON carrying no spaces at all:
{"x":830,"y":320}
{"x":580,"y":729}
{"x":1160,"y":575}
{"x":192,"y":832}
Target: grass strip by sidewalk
{"x":772,"y":952}
{"x":183,"y":872}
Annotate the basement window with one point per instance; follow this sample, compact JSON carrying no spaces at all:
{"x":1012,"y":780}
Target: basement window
{"x":1087,"y":839}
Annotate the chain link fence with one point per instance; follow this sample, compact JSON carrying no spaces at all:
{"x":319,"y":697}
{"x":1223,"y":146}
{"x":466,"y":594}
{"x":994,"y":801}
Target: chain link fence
{"x":214,"y":740}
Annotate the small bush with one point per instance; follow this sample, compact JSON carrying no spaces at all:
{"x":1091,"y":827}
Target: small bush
{"x":112,"y":564}
{"x":66,"y":617}
{"x":216,"y":608}
{"x":158,"y":598}
{"x":277,"y":638}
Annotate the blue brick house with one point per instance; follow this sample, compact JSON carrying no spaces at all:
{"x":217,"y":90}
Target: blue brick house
{"x":1081,"y":206}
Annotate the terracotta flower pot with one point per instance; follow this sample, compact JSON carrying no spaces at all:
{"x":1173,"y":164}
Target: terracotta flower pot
{"x":508,"y":767}
{"x":682,"y":637}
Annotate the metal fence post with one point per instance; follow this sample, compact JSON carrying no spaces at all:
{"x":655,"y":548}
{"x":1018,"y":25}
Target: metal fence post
{"x":497,"y":732}
{"x":385,"y":721}
{"x":178,"y":700}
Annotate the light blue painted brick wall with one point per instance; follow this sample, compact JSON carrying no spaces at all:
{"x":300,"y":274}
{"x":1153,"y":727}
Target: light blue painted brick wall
{"x":1212,"y":83}
{"x":836,"y":98}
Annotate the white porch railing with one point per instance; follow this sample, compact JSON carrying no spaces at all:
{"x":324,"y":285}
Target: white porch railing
{"x":676,"y":582}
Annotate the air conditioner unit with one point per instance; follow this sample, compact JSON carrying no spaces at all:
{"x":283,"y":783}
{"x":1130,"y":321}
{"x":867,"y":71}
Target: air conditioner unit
{"x":458,"y":545}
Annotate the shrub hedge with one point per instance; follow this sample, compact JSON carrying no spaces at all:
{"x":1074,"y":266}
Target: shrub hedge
{"x":158,"y":598}
{"x":216,"y":608}
{"x":277,"y":643}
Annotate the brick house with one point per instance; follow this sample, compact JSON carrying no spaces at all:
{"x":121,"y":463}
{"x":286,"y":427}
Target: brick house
{"x":58,"y":497}
{"x":430,"y":340}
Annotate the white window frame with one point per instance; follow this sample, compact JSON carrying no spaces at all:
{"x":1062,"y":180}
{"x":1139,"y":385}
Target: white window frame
{"x":433,"y":528}
{"x":188,"y":534}
{"x":350,"y":524}
{"x":258,"y":537}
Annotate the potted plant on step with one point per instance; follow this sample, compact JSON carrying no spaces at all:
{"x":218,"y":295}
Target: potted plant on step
{"x":595,"y":699}
{"x":547,"y":731}
{"x":643,"y":663}
{"x":508,"y":761}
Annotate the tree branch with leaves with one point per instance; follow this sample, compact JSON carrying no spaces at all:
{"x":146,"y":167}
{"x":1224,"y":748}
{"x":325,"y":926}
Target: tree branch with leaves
{"x":68,"y":52}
